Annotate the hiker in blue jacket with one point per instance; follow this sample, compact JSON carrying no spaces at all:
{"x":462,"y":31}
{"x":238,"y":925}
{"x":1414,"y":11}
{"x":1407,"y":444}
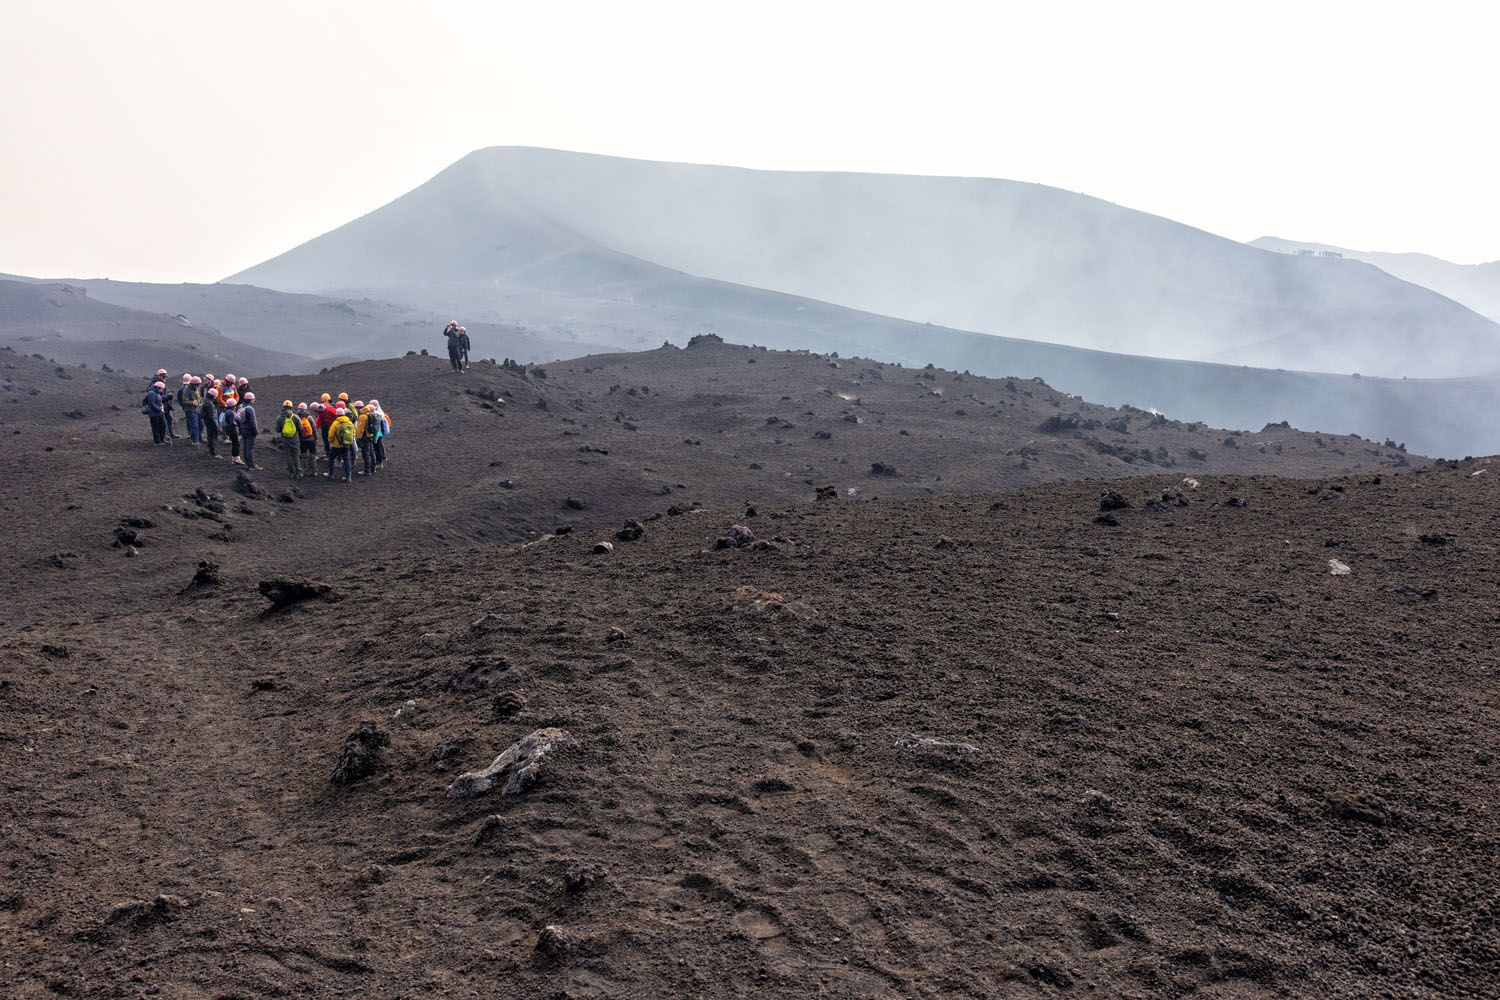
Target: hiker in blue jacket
{"x":249,"y":429}
{"x":154,"y":406}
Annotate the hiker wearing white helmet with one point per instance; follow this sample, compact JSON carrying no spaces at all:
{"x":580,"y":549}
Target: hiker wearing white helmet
{"x":190,"y":397}
{"x":168,"y":411}
{"x":249,"y":429}
{"x":154,"y":405}
{"x":454,"y":333}
{"x":385,"y":431}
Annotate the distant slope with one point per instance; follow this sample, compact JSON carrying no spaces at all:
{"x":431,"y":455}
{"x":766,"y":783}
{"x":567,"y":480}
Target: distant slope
{"x":1440,"y":417}
{"x":321,"y":327}
{"x":494,"y":455}
{"x":506,"y":226}
{"x":61,"y":321}
{"x":1437,"y":417}
{"x":1475,"y":285}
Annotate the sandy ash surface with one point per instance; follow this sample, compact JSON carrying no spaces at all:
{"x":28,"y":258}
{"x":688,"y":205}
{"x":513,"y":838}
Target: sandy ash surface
{"x":1193,"y":762}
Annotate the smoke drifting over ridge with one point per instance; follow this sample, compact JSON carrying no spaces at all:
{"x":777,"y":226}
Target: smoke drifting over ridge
{"x":998,"y":257}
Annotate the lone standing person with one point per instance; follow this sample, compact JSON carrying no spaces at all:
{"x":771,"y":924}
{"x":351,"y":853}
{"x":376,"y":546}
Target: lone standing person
{"x":454,"y":333}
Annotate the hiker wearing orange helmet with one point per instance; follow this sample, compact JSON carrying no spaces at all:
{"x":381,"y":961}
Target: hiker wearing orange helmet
{"x":326,"y":417}
{"x":288,"y":434}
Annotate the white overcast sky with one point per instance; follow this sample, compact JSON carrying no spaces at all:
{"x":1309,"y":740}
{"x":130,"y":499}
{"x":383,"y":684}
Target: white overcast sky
{"x":182,"y":141}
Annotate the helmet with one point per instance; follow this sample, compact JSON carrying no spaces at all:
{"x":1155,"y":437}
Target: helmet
{"x":341,"y":412}
{"x":324,"y":398}
{"x":197,"y":380}
{"x":343,"y":397}
{"x":214,"y":393}
{"x":463,"y":329}
{"x":249,"y":397}
{"x":187,"y":377}
{"x":287,"y":403}
{"x":228,"y":377}
{"x":208,"y":376}
{"x":158,"y":384}
{"x":242,"y":380}
{"x":359,"y":404}
{"x":161,"y":373}
{"x":300,"y":406}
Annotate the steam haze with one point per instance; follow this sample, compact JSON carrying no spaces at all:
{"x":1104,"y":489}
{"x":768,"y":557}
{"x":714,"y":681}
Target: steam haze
{"x":183,"y":141}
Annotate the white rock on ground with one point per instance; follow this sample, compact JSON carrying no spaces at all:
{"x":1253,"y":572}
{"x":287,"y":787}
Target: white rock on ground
{"x":518,"y":767}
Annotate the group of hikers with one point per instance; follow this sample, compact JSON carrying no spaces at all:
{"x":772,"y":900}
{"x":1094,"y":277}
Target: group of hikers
{"x":224,"y":408}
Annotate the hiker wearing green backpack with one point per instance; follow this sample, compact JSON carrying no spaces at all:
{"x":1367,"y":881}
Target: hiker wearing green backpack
{"x":341,"y":444}
{"x":289,"y":437}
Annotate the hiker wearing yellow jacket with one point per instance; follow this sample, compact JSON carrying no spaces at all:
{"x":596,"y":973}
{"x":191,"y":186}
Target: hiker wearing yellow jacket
{"x":341,"y":444}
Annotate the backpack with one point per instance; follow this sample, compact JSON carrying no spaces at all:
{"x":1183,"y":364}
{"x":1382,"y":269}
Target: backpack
{"x":146,"y":403}
{"x":304,"y":425}
{"x":290,"y":428}
{"x":344,"y":433}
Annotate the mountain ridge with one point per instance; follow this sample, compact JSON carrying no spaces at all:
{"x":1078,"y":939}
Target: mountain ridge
{"x":1011,"y":258}
{"x":1474,"y":285}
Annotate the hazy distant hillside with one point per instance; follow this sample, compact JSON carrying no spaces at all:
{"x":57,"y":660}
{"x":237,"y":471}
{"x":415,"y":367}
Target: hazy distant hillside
{"x":61,"y":321}
{"x":1475,"y":285}
{"x":318,"y":326}
{"x":505,"y":225}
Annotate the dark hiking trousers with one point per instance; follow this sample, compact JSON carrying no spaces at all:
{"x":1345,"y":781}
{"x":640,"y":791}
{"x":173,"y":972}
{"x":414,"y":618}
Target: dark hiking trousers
{"x":345,"y":459}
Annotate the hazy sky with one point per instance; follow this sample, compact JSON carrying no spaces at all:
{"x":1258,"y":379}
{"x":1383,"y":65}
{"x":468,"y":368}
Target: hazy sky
{"x":182,"y":141}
